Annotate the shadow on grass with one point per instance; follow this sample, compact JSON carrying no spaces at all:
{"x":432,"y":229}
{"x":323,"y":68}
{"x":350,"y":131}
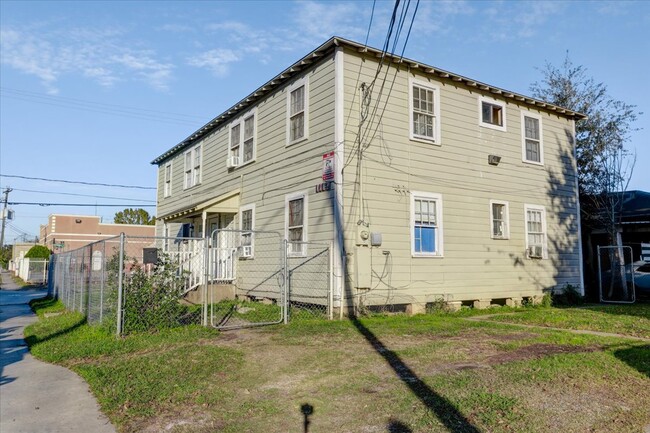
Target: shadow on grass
{"x":396,"y":426}
{"x":33,"y":340}
{"x":444,"y":410}
{"x":637,"y":357}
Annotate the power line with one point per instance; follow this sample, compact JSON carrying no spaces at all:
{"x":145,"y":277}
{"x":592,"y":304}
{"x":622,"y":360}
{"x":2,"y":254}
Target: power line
{"x":83,"y":195}
{"x":113,"y":109}
{"x":78,"y":182}
{"x":16,"y":203}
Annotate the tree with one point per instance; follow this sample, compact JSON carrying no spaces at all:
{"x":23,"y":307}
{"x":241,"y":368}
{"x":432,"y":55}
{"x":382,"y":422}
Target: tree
{"x":604,"y":164}
{"x":38,"y":252}
{"x":607,"y":127}
{"x":134,"y":216}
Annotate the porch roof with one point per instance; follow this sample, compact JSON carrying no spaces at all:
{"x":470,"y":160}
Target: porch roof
{"x":225,"y":203}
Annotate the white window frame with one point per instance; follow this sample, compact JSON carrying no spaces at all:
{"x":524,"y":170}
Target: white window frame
{"x":241,"y":121}
{"x":194,"y":177}
{"x":542,"y":210}
{"x":415,"y":195}
{"x":436,"y":112}
{"x":242,"y":209}
{"x":495,"y":102}
{"x":525,"y":114}
{"x":305,"y":203}
{"x":506,"y":231}
{"x":303,"y":82}
{"x":167,"y":180}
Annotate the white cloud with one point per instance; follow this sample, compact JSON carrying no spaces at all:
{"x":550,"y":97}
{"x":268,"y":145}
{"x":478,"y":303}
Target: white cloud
{"x":100,"y":55}
{"x":216,"y":60}
{"x":323,"y":20}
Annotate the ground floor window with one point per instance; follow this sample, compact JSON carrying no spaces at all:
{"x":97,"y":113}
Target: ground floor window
{"x":426,"y":224}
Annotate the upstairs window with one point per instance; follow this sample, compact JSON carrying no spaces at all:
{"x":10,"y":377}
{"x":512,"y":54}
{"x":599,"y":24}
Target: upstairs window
{"x":295,"y":229}
{"x":424,"y":112}
{"x":167,"y":189}
{"x":297,"y":118}
{"x":233,"y":153}
{"x":492,"y":113}
{"x":243,"y":137}
{"x":192,"y":167}
{"x":531,"y":130}
{"x":426,"y":224}
{"x":499,"y":219}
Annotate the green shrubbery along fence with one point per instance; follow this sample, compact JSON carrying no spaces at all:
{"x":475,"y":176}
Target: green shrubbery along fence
{"x":138,"y":284}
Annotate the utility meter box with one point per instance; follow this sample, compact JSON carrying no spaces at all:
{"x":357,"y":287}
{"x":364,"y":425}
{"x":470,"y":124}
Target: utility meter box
{"x":375,"y":239}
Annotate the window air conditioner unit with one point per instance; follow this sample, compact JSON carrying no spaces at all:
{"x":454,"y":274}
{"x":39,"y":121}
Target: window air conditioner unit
{"x":246,"y":251}
{"x":535,"y":252}
{"x":233,"y":161}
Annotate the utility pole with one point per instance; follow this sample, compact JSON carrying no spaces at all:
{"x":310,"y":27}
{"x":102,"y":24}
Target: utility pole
{"x":4,"y":216}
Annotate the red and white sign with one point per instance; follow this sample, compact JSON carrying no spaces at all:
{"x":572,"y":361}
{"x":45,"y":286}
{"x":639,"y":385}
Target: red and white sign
{"x":328,"y":167}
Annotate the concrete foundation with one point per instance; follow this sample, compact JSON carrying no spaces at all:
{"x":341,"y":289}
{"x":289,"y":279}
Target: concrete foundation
{"x":454,"y":305}
{"x":514,"y":302}
{"x":216,"y":293}
{"x":413,"y":309}
{"x":481,"y":304}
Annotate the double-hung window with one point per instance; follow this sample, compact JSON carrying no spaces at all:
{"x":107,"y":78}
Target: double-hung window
{"x":499,"y":219}
{"x":531,"y":131}
{"x":535,"y":231}
{"x":426,"y":224}
{"x":296,"y":223}
{"x":167,"y":189}
{"x":243,"y":138}
{"x":247,"y":225}
{"x":424,"y":111}
{"x":233,"y":152}
{"x":492,"y":113}
{"x":192,"y":167}
{"x":297,"y":111}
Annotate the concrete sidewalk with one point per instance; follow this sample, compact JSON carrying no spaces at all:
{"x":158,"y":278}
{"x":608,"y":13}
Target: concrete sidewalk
{"x":36,"y":397}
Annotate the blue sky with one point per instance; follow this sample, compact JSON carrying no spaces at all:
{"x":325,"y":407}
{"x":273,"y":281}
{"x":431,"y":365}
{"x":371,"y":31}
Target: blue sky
{"x":93,"y":91}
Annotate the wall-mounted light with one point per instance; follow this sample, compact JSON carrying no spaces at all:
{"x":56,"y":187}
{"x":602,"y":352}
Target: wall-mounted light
{"x":494,"y":159}
{"x":78,"y":221}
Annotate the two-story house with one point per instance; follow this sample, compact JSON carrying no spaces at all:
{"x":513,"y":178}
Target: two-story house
{"x":428,"y":184}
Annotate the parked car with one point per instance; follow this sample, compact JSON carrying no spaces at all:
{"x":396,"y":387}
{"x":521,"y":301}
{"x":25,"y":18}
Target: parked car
{"x":641,"y":272}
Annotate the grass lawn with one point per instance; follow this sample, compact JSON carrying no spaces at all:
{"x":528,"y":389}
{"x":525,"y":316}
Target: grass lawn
{"x":620,"y":319}
{"x":427,"y":373}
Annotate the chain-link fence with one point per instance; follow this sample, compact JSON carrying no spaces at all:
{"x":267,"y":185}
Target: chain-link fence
{"x":616,"y":275}
{"x":233,"y":279}
{"x":310,"y":281}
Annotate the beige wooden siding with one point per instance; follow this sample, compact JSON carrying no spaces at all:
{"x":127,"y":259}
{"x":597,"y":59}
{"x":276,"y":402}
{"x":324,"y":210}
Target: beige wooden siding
{"x":278,"y":170}
{"x":474,"y":265}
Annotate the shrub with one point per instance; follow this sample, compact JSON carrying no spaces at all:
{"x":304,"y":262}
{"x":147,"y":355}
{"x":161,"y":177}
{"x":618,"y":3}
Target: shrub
{"x":151,"y":298}
{"x":38,"y":252}
{"x":570,"y":295}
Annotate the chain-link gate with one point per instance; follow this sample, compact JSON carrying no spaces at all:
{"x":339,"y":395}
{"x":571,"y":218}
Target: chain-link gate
{"x":309,"y":293}
{"x":615,"y":274}
{"x":246,"y":279}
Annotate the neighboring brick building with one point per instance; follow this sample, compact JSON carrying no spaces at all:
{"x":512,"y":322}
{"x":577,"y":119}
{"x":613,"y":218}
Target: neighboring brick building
{"x":69,"y":232}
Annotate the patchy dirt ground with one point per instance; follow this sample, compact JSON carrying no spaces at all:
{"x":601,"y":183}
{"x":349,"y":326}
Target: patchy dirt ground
{"x":469,"y":380}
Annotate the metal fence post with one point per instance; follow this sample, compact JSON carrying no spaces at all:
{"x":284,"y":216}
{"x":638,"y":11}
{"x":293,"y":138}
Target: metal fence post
{"x":120,"y":286}
{"x":102,"y":271}
{"x":206,"y":278}
{"x":285,"y":265}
